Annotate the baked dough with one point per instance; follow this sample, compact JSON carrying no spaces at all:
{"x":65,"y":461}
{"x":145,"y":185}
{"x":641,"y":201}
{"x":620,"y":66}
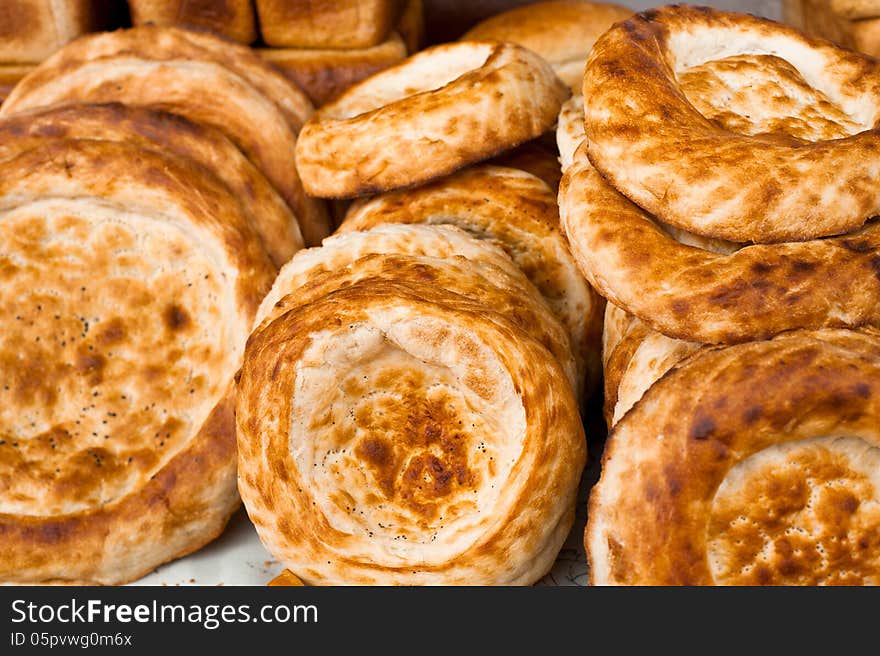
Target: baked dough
{"x":694,"y":294}
{"x":232,"y":18}
{"x":518,"y":212}
{"x":10,"y":75}
{"x":324,"y":74}
{"x":635,"y":357}
{"x":503,"y":288}
{"x":735,"y":127}
{"x":201,"y":77}
{"x":173,"y":134}
{"x":751,"y":464}
{"x":855,"y":8}
{"x":441,"y":109}
{"x":321,"y":24}
{"x":391,"y":432}
{"x":155,"y":43}
{"x":570,"y":135}
{"x":130,"y":283}
{"x":561,"y":31}
{"x":536,"y":157}
{"x":570,"y":129}
{"x":31,"y":30}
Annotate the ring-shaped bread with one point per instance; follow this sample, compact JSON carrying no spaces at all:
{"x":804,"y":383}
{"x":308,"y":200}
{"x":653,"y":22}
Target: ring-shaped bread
{"x":749,"y":464}
{"x":130,"y":283}
{"x":191,"y":80}
{"x":504,"y":288}
{"x":441,"y":109}
{"x":735,"y":127}
{"x":174,"y":134}
{"x":518,"y":212}
{"x":391,"y":433}
{"x":698,"y":295}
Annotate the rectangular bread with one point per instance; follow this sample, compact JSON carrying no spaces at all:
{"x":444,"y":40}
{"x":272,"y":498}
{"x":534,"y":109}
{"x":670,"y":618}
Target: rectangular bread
{"x":854,"y":9}
{"x":324,"y":74}
{"x":232,"y":18}
{"x":326,"y":23}
{"x":819,"y":18}
{"x":31,"y":30}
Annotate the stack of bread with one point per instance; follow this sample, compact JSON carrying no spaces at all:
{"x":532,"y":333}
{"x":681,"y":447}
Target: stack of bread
{"x":408,"y":404}
{"x":849,"y":23}
{"x":143,"y":222}
{"x":719,"y":191}
{"x":323,"y":47}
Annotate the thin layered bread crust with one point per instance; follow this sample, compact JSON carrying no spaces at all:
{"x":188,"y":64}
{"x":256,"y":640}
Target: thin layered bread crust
{"x":732,"y":126}
{"x":480,"y":486}
{"x":198,"y":76}
{"x":691,"y":293}
{"x":10,"y":75}
{"x":518,"y":212}
{"x":753,"y":464}
{"x":441,"y":109}
{"x":31,"y":30}
{"x":234,"y":19}
{"x":561,"y":31}
{"x":156,"y":130}
{"x":484,"y":273}
{"x":133,"y":277}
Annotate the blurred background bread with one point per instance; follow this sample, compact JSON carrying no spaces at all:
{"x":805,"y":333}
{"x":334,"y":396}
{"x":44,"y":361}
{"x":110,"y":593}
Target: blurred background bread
{"x":232,"y":18}
{"x":322,"y":24}
{"x":851,"y":24}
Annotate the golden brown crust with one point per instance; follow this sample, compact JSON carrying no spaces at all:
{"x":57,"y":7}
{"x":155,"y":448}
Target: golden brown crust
{"x":31,"y":30}
{"x":162,"y":131}
{"x":443,"y":108}
{"x":286,"y":578}
{"x":561,"y":31}
{"x":156,"y":43}
{"x":787,"y":112}
{"x":750,"y":464}
{"x":475,"y":268}
{"x":324,"y":74}
{"x":697,"y":295}
{"x":518,"y":212}
{"x":636,"y":358}
{"x":326,"y":23}
{"x":133,"y":277}
{"x":199,"y":76}
{"x":232,"y":18}
{"x":534,"y":157}
{"x":478,"y":489}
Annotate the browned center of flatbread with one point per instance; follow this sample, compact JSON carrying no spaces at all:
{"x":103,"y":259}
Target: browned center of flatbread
{"x":764,"y":94}
{"x":397,"y":440}
{"x":804,"y":513}
{"x":109,"y":332}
